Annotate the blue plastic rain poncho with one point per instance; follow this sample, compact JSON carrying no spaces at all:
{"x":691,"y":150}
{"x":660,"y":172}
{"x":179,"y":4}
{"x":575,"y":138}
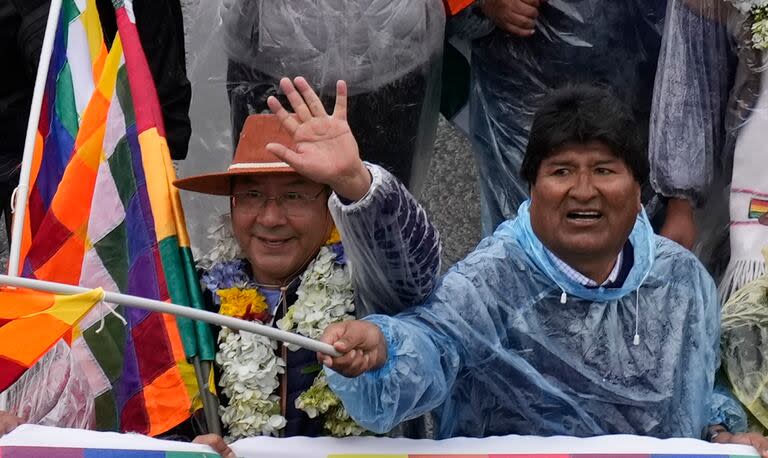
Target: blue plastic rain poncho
{"x":613,"y":43}
{"x":495,"y":351}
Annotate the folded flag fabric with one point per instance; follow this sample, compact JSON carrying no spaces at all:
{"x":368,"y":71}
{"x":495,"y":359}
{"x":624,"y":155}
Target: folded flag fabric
{"x":103,"y":213}
{"x":31,"y":322}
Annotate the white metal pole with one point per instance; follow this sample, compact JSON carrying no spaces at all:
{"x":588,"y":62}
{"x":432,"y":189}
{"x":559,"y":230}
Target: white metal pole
{"x":187,"y":312}
{"x":19,"y":202}
{"x":22,"y":191}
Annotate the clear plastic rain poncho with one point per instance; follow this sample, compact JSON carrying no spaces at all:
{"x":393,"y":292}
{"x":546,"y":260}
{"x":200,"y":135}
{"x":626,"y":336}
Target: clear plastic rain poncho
{"x":613,"y":43}
{"x":53,"y":392}
{"x":745,"y":346}
{"x":709,"y":131}
{"x":496,"y":351}
{"x":389,"y":52}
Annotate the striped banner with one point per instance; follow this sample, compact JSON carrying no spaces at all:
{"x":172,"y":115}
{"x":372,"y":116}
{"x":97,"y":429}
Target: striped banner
{"x":589,"y":455}
{"x":50,"y":452}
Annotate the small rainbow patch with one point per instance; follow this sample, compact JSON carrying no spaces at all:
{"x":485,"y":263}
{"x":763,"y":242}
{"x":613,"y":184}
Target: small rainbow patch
{"x":757,"y":208}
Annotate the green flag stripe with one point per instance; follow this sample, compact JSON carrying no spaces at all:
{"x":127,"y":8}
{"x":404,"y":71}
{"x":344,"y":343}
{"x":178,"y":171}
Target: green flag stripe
{"x":177,"y":288}
{"x":121,"y":169}
{"x":205,"y":341}
{"x":113,"y":252}
{"x":123,"y":90}
{"x":69,"y":11}
{"x":65,"y":101}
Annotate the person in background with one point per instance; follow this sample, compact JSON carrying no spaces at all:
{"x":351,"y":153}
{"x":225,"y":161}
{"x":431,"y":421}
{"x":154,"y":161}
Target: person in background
{"x":708,"y":135}
{"x":161,"y":32}
{"x":389,"y":52}
{"x":523,"y":49}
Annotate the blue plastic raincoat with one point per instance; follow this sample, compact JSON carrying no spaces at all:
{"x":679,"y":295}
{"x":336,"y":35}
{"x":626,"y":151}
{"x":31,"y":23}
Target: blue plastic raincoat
{"x":508,"y":344}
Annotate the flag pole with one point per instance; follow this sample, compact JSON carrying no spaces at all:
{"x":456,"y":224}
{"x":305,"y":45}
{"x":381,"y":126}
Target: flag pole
{"x":19,"y":200}
{"x":187,"y":312}
{"x":22,"y":190}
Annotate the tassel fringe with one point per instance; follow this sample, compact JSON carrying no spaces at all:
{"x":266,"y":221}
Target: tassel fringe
{"x":738,"y":274}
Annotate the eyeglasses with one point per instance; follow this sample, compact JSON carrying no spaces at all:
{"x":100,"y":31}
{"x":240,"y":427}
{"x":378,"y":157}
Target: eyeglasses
{"x":291,"y":203}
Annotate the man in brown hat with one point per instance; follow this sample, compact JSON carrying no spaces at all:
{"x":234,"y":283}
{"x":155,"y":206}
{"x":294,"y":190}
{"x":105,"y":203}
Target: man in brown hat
{"x":295,"y":179}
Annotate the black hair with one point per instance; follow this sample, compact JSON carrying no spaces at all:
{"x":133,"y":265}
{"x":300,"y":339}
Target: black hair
{"x":579,"y":115}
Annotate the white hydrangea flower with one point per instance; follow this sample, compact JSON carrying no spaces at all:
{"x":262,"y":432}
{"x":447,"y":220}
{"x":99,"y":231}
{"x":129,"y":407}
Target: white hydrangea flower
{"x":225,"y":247}
{"x":250,"y":374}
{"x":249,"y":364}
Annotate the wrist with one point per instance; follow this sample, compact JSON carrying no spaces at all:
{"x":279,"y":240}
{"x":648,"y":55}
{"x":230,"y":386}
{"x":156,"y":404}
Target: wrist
{"x":354,"y":186}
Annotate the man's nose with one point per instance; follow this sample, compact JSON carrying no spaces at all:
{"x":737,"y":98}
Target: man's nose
{"x":584,"y":187}
{"x":271,"y":214}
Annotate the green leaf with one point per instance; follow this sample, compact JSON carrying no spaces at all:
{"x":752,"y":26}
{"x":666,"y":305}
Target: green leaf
{"x":311,"y":369}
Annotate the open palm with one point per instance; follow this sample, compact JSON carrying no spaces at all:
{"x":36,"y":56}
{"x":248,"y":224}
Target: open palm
{"x":325,"y":151}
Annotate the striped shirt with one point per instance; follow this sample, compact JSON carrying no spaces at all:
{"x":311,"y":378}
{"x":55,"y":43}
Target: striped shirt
{"x":581,"y":279}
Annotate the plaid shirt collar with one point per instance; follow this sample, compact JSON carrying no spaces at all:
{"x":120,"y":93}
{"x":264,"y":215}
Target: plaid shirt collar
{"x":579,"y":278}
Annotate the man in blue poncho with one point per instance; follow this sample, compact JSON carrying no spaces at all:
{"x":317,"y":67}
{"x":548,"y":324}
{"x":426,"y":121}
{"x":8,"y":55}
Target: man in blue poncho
{"x":573,"y":318}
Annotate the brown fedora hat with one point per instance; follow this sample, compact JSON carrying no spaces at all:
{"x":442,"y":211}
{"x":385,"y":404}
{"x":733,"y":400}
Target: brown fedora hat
{"x":251,"y":157}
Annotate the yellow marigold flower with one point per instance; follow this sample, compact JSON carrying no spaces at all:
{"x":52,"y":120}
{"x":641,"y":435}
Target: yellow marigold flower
{"x":238,"y":302}
{"x":335,"y":237}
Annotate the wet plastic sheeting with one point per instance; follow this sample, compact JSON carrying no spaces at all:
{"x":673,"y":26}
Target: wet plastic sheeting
{"x":389,"y":52}
{"x":611,"y":43}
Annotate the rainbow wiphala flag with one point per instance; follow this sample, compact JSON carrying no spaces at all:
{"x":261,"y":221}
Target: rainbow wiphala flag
{"x":103,"y":213}
{"x":32,"y":322}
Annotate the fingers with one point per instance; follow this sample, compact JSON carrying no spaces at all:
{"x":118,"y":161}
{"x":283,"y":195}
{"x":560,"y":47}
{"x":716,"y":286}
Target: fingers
{"x":517,"y":17}
{"x":534,"y":3}
{"x":284,"y":153}
{"x":361,"y":343}
{"x":760,"y":444}
{"x":215,"y":442}
{"x":340,"y":110}
{"x":755,"y":440}
{"x":523,"y":21}
{"x":296,"y":100}
{"x":316,"y":107}
{"x":527,"y":9}
{"x":290,"y":123}
{"x":331,"y":335}
{"x":519,"y":31}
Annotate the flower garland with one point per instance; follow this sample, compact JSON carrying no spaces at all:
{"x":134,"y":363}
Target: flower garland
{"x":758,"y":11}
{"x":249,"y":364}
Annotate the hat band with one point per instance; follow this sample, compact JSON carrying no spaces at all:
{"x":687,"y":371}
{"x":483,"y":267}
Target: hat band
{"x":258,"y":165}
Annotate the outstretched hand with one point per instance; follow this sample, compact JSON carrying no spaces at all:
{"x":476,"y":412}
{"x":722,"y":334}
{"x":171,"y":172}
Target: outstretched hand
{"x":362,"y":346}
{"x":326,"y":151}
